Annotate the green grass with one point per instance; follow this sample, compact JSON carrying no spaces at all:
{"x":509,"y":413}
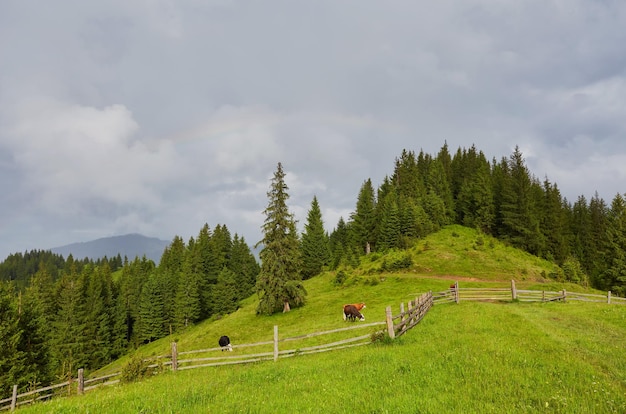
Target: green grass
{"x":466,"y":358}
{"x":464,"y":252}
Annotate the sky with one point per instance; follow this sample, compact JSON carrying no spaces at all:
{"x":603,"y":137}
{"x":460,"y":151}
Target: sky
{"x":156,"y":116}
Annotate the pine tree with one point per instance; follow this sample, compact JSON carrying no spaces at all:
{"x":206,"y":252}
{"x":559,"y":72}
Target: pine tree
{"x":187,"y":307}
{"x":520,"y":219}
{"x":279,"y":284}
{"x":315,"y":247}
{"x":389,"y":236}
{"x":152,"y":318}
{"x":225,"y":295}
{"x":614,"y":277}
{"x":69,"y":337}
{"x":10,"y":335}
{"x":338,"y":241}
{"x":363,"y":219}
{"x":244,"y":265}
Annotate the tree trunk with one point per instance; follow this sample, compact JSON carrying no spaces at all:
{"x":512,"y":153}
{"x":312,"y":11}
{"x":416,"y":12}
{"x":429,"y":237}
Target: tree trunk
{"x":286,"y":308}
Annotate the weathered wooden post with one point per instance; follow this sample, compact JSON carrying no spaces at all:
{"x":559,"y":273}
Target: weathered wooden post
{"x":513,"y":290}
{"x":402,"y":315}
{"x":564,"y":295}
{"x":456,"y":292}
{"x":543,"y":295}
{"x":81,"y":381}
{"x":389,"y":320}
{"x":275,"y":343}
{"x":14,"y":398}
{"x":174,"y":356}
{"x":608,"y":297}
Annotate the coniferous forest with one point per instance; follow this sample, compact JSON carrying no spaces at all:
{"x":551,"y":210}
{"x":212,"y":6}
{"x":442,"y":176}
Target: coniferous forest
{"x":60,"y":314}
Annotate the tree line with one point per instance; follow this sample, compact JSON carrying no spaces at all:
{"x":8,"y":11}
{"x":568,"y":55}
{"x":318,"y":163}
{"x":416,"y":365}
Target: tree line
{"x":585,"y":238}
{"x":57,"y":315}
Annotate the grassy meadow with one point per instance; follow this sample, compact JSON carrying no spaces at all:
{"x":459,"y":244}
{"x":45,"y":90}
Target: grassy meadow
{"x":472,"y":357}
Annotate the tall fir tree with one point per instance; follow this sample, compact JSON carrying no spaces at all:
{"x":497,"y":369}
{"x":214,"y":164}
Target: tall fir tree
{"x":188,"y":303}
{"x":279,"y":284}
{"x":152,"y":323}
{"x":614,"y":277}
{"x":70,"y":341}
{"x":11,"y":357}
{"x":363,"y":219}
{"x":225,"y":295}
{"x":243,"y":263}
{"x":315,"y":246}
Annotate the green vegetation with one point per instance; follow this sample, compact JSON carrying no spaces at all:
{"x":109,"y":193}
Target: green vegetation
{"x":466,"y":358}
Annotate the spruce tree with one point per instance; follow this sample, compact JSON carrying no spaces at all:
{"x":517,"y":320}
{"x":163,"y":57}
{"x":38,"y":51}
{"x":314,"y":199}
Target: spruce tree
{"x":10,"y":335}
{"x":315,"y":247}
{"x":225,"y":295}
{"x":363,"y":219}
{"x":279,"y":285}
{"x":243,"y":263}
{"x":614,"y":277}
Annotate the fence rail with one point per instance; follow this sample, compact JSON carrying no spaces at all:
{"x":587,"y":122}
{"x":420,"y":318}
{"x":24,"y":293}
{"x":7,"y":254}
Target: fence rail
{"x":197,"y":359}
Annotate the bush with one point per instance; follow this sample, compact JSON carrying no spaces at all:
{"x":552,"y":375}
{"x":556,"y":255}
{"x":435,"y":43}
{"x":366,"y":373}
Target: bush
{"x":340,"y":278}
{"x":135,"y":370}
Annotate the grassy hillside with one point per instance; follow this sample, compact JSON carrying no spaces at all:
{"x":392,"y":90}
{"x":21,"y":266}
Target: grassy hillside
{"x":455,"y":253}
{"x":465,"y":358}
{"x":471,"y":357}
{"x":463,"y":252}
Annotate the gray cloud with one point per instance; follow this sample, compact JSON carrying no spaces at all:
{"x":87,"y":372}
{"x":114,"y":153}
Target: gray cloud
{"x":158,"y":117}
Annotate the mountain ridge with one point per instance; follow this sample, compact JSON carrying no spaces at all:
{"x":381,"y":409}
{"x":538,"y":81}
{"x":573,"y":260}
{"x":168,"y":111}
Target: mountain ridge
{"x":128,"y":245}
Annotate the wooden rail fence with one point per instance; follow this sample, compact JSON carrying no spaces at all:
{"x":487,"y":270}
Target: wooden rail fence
{"x":416,"y":311}
{"x":196,"y":359}
{"x":456,"y":294}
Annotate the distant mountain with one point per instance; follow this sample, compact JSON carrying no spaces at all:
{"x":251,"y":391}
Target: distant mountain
{"x":129,"y":245}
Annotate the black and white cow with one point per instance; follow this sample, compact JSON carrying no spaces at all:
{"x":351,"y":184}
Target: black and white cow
{"x":225,"y":343}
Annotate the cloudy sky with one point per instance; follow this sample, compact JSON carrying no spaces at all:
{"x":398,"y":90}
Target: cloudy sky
{"x":157,"y":116}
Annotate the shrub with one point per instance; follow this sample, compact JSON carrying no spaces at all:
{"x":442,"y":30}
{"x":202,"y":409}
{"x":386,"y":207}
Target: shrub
{"x":340,"y":278}
{"x":135,"y":370}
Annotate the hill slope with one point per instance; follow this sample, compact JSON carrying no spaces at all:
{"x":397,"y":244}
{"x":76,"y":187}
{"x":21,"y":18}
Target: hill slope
{"x":470,"y":357}
{"x":129,"y":245}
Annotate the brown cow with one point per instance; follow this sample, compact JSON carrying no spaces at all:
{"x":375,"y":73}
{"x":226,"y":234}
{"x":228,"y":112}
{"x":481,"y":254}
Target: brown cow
{"x":358,"y":307}
{"x":351,"y":312}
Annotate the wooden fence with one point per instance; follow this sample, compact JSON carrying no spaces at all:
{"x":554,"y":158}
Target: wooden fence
{"x":456,"y":294}
{"x":416,"y":311}
{"x":196,"y":359}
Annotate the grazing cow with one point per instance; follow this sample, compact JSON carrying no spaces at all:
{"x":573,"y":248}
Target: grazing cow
{"x":358,"y":307}
{"x":225,"y":343}
{"x":351,"y":313}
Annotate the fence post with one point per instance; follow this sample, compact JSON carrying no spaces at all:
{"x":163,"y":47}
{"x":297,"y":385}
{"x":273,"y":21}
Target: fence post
{"x":81,"y":381}
{"x":513,"y":290}
{"x":403,"y":316}
{"x":14,"y":398}
{"x":456,"y":292}
{"x":174,"y":356}
{"x":389,"y":320}
{"x":543,"y":295}
{"x":275,"y":343}
{"x":564,"y":295}
{"x":608,"y":297}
